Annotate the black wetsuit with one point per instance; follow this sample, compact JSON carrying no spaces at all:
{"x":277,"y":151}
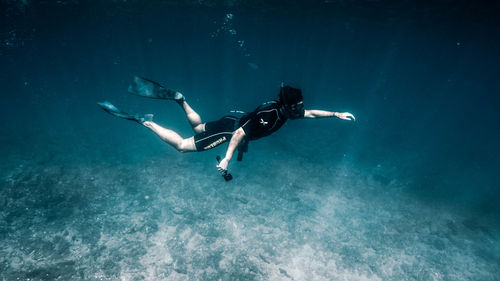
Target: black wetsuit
{"x":216,"y":133}
{"x":263,"y":121}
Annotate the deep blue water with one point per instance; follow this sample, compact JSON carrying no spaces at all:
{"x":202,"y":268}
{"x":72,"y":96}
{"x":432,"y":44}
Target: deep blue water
{"x":407,"y":192}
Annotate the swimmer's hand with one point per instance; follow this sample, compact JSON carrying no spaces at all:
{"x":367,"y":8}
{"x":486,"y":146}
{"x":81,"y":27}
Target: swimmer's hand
{"x":345,"y":116}
{"x":222,"y":167}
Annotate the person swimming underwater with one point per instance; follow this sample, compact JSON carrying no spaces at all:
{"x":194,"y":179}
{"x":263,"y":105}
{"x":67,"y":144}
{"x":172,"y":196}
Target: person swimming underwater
{"x":238,"y":131}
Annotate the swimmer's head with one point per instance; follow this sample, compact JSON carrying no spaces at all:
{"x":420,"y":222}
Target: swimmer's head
{"x":291,"y":100}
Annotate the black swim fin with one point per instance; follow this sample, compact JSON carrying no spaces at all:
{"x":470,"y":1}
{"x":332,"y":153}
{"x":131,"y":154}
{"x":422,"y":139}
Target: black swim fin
{"x":113,"y":110}
{"x":151,"y":89}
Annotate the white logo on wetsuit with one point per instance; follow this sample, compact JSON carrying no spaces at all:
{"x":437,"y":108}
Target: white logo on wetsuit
{"x":263,"y":122}
{"x":215,"y":143}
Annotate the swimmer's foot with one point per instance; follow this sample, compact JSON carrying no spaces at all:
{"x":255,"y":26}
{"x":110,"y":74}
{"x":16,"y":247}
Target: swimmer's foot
{"x":144,"y":118}
{"x":151,"y":89}
{"x":113,"y":110}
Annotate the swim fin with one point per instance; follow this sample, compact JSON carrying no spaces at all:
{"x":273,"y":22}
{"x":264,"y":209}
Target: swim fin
{"x":113,"y":110}
{"x":151,"y":89}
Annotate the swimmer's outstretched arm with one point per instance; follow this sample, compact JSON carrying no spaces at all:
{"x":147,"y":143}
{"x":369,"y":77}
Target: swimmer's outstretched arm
{"x":313,"y":113}
{"x":236,"y":139}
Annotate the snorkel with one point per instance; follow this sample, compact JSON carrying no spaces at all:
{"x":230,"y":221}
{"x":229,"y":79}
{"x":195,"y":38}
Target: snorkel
{"x":291,"y":100}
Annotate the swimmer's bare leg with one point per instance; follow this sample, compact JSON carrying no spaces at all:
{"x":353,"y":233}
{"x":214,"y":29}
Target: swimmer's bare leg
{"x":171,"y":137}
{"x":193,"y":118}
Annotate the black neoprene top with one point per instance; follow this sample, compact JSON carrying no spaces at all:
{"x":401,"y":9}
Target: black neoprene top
{"x":263,"y":121}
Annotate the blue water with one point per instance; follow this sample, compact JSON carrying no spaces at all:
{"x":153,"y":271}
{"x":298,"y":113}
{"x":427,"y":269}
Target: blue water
{"x":407,"y":192}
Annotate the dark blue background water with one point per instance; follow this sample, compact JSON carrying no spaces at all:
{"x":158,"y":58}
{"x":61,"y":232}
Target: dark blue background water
{"x":408,"y":191}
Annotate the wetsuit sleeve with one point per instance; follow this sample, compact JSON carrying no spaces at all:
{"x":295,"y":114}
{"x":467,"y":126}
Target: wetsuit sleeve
{"x":249,"y":127}
{"x":303,"y":114}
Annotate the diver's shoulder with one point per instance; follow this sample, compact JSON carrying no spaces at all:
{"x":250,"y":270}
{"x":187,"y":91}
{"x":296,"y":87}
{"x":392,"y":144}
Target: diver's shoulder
{"x":268,"y":105}
{"x":271,"y":103}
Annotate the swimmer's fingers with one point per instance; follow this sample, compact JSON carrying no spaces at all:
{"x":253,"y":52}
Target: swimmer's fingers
{"x":221,"y":170}
{"x":222,"y":166}
{"x":346,"y":116}
{"x":352,"y":118}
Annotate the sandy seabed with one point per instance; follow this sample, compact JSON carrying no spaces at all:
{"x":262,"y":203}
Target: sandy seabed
{"x":174,"y":220}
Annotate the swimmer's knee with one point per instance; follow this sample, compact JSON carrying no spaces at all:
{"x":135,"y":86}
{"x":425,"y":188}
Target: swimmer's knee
{"x":187,"y":145}
{"x":200,"y":128}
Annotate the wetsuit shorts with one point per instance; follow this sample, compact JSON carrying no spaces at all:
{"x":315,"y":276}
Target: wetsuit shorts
{"x":216,"y":133}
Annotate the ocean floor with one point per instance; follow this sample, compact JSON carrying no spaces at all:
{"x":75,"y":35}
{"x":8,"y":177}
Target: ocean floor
{"x":176,"y":219}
